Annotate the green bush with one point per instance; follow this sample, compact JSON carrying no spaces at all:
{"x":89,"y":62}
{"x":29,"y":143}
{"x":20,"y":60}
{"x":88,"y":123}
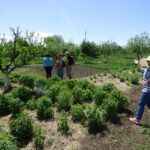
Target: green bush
{"x":64,"y":100}
{"x":38,"y":137}
{"x":21,"y":127}
{"x":83,"y":84}
{"x":7,"y":141}
{"x":52,"y":92}
{"x":111,"y":108}
{"x":62,"y":125}
{"x":134,"y":79}
{"x":16,"y":106}
{"x":71,"y":83}
{"x":77,"y":112}
{"x":96,"y":118}
{"x":121,"y":99}
{"x":78,"y":95}
{"x":44,"y":110}
{"x":53,"y":80}
{"x":91,"y":87}
{"x":23,"y":93}
{"x":108,"y":87}
{"x":31,"y":104}
{"x":4,"y":105}
{"x":99,"y":96}
{"x":27,"y":81}
{"x":14,"y":78}
{"x":88,"y":95}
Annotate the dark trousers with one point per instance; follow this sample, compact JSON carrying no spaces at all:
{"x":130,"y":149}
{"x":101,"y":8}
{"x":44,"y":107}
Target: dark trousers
{"x":48,"y":71}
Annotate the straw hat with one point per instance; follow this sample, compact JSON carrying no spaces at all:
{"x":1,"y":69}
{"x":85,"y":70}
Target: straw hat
{"x":143,"y":61}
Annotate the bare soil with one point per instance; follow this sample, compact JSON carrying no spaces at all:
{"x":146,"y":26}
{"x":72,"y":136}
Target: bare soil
{"x":118,"y":135}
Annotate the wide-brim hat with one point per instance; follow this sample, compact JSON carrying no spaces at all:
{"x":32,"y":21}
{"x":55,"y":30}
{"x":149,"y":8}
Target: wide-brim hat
{"x":143,"y":61}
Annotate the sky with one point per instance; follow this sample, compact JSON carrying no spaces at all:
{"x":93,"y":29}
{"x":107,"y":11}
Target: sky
{"x":102,"y":20}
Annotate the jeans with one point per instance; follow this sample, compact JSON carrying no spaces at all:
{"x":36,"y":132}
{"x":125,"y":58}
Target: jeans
{"x":144,"y":100}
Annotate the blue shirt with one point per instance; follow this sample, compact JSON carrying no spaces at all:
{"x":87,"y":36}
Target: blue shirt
{"x":48,"y":62}
{"x":146,"y":76}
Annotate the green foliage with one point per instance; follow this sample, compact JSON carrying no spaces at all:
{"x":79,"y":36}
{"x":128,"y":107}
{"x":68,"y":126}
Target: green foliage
{"x":89,"y":49}
{"x":52,"y":92}
{"x":77,"y":112}
{"x":15,"y":77}
{"x":108,"y":87}
{"x":51,"y":81}
{"x":83,"y":84}
{"x":23,"y":93}
{"x":44,"y":110}
{"x":88,"y":95}
{"x":16,"y":106}
{"x":95,"y":119}
{"x":7,"y":141}
{"x":4,"y":105}
{"x":38,"y":137}
{"x":99,"y":96}
{"x":121,"y":99}
{"x":78,"y":95}
{"x":71,"y":83}
{"x":111,"y":107}
{"x":27,"y":81}
{"x":31,"y":104}
{"x":134,"y":78}
{"x":64,"y":100}
{"x":62,"y":125}
{"x":21,"y":127}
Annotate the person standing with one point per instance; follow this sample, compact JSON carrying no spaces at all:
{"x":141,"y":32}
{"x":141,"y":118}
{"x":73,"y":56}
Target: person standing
{"x":48,"y":65}
{"x":145,"y":96}
{"x":69,"y":64}
{"x":60,"y":64}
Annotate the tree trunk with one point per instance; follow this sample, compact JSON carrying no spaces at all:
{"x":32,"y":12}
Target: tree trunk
{"x":7,"y":84}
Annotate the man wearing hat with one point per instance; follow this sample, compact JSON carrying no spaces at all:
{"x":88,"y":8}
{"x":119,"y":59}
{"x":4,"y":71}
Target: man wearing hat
{"x":145,"y":96}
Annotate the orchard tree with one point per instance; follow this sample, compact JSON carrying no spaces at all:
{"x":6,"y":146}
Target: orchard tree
{"x":54,"y":44}
{"x":10,"y":54}
{"x":139,"y":43}
{"x":89,"y":49}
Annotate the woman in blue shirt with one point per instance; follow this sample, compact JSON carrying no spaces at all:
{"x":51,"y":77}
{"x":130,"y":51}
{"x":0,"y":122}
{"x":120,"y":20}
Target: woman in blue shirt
{"x":145,"y":96}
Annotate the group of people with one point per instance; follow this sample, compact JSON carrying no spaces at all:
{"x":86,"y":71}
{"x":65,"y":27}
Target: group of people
{"x":60,"y":65}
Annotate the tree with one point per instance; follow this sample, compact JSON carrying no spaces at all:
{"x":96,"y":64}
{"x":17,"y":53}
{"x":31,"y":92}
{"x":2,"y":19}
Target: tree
{"x":10,"y":54}
{"x":89,"y":49}
{"x":139,"y":43}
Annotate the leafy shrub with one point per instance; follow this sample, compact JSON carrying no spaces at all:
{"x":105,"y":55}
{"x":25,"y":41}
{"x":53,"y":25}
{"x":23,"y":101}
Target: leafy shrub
{"x":40,"y":84}
{"x":64,"y":100}
{"x":27,"y":81}
{"x":52,"y":92}
{"x":38,"y":136}
{"x":99,"y":96}
{"x":91,"y":87}
{"x":83,"y":84}
{"x":43,"y":108}
{"x":23,"y":93}
{"x":77,"y":112}
{"x":54,"y":79}
{"x":7,"y":141}
{"x":21,"y":127}
{"x":71,"y":83}
{"x":4,"y":105}
{"x":108,"y":87}
{"x":31,"y":104}
{"x":16,"y":106}
{"x":62,"y":125}
{"x":111,"y":108}
{"x":78,"y":95}
{"x":88,"y":95}
{"x":14,"y":77}
{"x":95,"y":119}
{"x":134,"y":79}
{"x":121,"y":99}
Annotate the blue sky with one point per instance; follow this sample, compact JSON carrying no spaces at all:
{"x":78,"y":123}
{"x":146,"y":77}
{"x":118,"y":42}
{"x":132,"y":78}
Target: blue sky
{"x":103,"y":20}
